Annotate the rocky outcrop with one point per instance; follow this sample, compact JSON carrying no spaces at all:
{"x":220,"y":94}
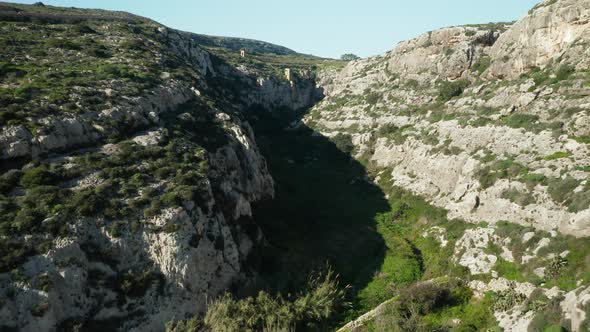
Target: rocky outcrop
{"x":164,"y":269}
{"x":553,"y":32}
{"x":61,"y":133}
{"x":442,"y":137}
{"x":441,"y":54}
{"x":140,"y":271}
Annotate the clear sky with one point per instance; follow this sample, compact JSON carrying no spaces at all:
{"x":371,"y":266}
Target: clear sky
{"x":326,"y":28}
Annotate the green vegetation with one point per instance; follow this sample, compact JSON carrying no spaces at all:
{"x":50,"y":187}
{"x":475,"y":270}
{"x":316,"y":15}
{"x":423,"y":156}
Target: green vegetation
{"x":561,"y":191}
{"x":541,"y":5}
{"x":324,"y":196}
{"x":518,"y":197}
{"x":80,"y":62}
{"x":482,"y":64}
{"x":308,"y":310}
{"x":392,"y":132}
{"x":550,"y":76}
{"x":500,"y":169}
{"x":273,"y":65}
{"x":558,"y":155}
{"x":518,"y":120}
{"x":343,"y":143}
{"x":125,"y":187}
{"x":532,"y":179}
{"x":448,"y":90}
{"x":349,"y":57}
{"x":432,"y":306}
{"x":559,"y":271}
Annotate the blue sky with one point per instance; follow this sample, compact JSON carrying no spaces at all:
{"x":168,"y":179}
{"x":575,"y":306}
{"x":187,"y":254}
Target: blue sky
{"x":322,"y":27}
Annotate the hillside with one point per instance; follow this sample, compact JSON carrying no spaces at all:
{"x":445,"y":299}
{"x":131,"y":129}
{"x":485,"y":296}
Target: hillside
{"x":490,"y":124}
{"x":126,"y":165}
{"x":155,"y":179}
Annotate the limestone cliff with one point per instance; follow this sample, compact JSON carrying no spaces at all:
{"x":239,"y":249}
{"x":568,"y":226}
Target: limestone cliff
{"x":128,"y":172}
{"x":490,"y":123}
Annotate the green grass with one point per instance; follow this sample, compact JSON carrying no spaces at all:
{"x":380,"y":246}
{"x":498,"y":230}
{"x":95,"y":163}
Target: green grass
{"x":509,"y":270}
{"x":558,"y":155}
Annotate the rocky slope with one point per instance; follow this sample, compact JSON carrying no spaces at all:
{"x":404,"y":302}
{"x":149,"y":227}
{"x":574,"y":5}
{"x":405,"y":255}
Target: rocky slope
{"x":132,"y":188}
{"x":431,"y":111}
{"x":128,"y":169}
{"x":490,"y":123}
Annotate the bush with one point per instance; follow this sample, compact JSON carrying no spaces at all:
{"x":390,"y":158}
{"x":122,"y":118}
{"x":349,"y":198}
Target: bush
{"x":560,"y":190}
{"x":270,"y":313}
{"x":482,"y":64}
{"x":63,"y":44}
{"x":37,"y":176}
{"x":518,"y":197}
{"x":343,"y":143}
{"x":349,"y":57}
{"x":422,"y":298}
{"x":564,"y":72}
{"x":9,"y":180}
{"x":525,"y":121}
{"x":501,"y":169}
{"x":372,"y":98}
{"x":448,"y":90}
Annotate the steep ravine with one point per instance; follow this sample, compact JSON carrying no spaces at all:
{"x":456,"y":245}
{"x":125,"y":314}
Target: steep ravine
{"x":144,"y":175}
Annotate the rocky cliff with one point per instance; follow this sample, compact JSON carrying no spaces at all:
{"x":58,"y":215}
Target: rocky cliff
{"x":491,"y":124}
{"x":432,"y":112}
{"x":128,"y":170}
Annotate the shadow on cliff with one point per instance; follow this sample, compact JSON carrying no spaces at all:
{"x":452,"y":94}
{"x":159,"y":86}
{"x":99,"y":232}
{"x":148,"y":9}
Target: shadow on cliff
{"x":323,"y":211}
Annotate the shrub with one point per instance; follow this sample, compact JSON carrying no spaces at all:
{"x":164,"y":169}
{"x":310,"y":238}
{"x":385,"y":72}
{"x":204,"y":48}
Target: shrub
{"x":560,"y":190}
{"x":372,"y":98}
{"x":63,"y":44}
{"x":532,"y":179}
{"x":83,"y":29}
{"x":564,"y":72}
{"x":518,"y":197}
{"x":501,"y":169}
{"x":507,"y":300}
{"x":580,"y":201}
{"x":349,"y":57}
{"x":525,"y":121}
{"x":422,"y":298}
{"x":482,"y":64}
{"x":9,"y":180}
{"x":136,"y":284}
{"x":448,"y":90}
{"x":270,"y":313}
{"x":37,"y":176}
{"x":343,"y":143}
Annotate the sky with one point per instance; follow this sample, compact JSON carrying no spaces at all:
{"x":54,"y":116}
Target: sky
{"x":327,"y":28}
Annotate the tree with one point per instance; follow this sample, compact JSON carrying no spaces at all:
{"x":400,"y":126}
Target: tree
{"x":349,"y":57}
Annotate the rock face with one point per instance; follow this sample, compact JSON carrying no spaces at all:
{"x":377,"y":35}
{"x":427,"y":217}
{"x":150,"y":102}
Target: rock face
{"x":134,"y":265}
{"x":488,"y":123}
{"x":202,"y":257}
{"x":442,"y":54}
{"x":553,"y":31}
{"x":433,"y":114}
